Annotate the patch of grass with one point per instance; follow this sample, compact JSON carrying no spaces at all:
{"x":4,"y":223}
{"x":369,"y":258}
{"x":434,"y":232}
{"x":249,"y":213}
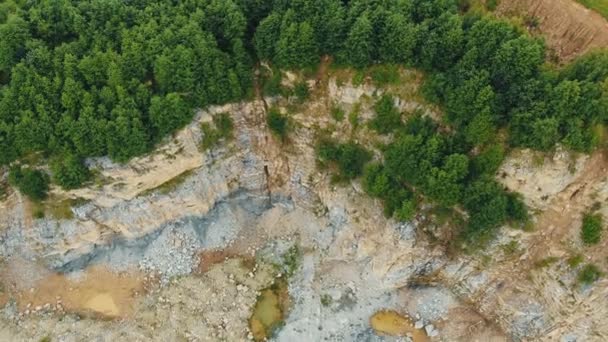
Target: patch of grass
{"x":591,"y":232}
{"x":531,"y":21}
{"x":600,"y":6}
{"x":486,"y":260}
{"x":383,"y":75}
{"x":510,"y":248}
{"x":169,"y":185}
{"x":277,"y":122}
{"x":38,"y":211}
{"x":546,"y":262}
{"x":528,"y":226}
{"x":326,"y":300}
{"x":443,"y":215}
{"x":359,"y":78}
{"x":538,"y":159}
{"x":337,"y":113}
{"x":575,"y":260}
{"x":491,"y":5}
{"x":222,"y":129}
{"x":589,"y":274}
{"x":45,"y":339}
{"x":61,"y":209}
{"x":272,"y":82}
{"x":291,"y":261}
{"x":353,"y":116}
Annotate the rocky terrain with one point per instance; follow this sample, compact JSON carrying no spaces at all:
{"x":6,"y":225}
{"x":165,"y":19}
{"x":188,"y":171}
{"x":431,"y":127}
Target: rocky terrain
{"x":180,"y":244}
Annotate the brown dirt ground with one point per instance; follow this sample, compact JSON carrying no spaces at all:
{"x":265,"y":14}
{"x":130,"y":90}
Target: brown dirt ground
{"x":569,"y":28}
{"x":97,"y":291}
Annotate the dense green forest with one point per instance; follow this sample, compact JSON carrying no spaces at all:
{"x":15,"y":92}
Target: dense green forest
{"x":110,"y":77}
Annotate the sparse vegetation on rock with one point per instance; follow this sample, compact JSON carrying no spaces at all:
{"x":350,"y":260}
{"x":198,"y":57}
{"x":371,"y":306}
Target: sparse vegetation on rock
{"x":222,"y":129}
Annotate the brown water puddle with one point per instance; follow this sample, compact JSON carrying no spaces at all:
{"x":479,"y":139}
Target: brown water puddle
{"x":391,"y":323}
{"x":208,"y":259}
{"x":270,"y":311}
{"x":97,"y":290}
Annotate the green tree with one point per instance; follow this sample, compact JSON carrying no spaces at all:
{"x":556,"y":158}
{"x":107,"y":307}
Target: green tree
{"x":267,"y":35}
{"x":13,"y":36}
{"x":359,"y":48}
{"x":487,"y":204}
{"x":297,"y":46}
{"x":69,"y":171}
{"x":446,"y":184}
{"x":399,"y":40}
{"x":169,"y":113}
{"x":443,"y":41}
{"x":489,"y":160}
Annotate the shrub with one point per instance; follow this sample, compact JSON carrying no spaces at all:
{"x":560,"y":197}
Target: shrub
{"x":277,"y":123}
{"x":387,"y":117}
{"x":358,"y":79}
{"x":337,"y":113}
{"x":223,"y":122}
{"x":407,"y":211}
{"x":69,"y":171}
{"x":301,"y":91}
{"x":516,"y":209}
{"x":385,"y":75}
{"x":575,"y":260}
{"x":272,"y":83}
{"x":32,"y":183}
{"x":349,"y":158}
{"x":546,"y":262}
{"x":591,"y":231}
{"x":326,"y":299}
{"x":589,"y":274}
{"x":376,"y":181}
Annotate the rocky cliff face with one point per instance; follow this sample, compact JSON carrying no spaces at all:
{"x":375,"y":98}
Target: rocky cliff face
{"x":192,"y":256}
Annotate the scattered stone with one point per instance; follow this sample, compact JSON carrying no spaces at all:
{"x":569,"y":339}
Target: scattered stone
{"x":430,"y":330}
